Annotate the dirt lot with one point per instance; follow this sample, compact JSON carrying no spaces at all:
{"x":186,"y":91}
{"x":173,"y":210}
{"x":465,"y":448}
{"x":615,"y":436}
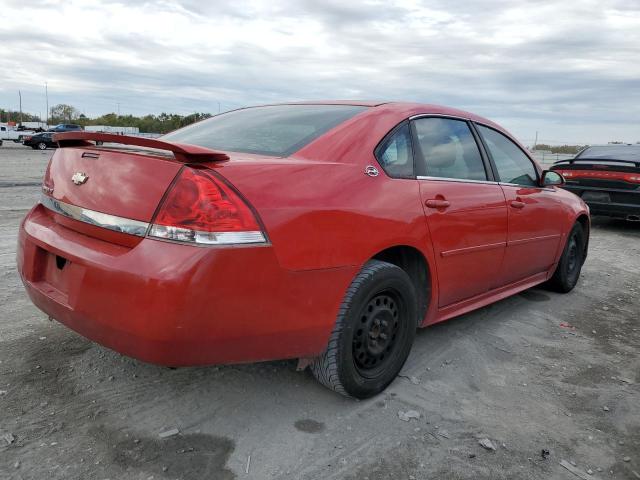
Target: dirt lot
{"x":536,"y":371}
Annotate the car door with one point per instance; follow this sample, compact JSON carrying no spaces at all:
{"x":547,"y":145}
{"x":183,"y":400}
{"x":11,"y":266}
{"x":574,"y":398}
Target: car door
{"x":464,"y":207}
{"x":536,"y":214}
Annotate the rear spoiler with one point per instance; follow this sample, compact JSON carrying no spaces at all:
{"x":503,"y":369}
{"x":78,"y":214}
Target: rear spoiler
{"x":182,"y":151}
{"x":596,"y":160}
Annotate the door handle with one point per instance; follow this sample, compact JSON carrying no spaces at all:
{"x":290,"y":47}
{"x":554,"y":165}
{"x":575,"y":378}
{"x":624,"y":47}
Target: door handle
{"x":517,"y":204}
{"x":437,"y":203}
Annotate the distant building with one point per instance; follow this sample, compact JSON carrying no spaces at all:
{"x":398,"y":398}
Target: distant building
{"x":110,"y":129}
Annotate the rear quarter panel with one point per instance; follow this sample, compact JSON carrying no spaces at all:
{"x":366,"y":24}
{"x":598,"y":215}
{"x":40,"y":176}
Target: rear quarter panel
{"x":329,"y":215}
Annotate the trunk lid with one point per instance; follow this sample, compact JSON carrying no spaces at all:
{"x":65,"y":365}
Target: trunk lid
{"x":84,"y":181}
{"x":124,"y":184}
{"x":616,"y":174}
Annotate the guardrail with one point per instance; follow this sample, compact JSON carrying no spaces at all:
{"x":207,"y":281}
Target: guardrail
{"x":548,"y":158}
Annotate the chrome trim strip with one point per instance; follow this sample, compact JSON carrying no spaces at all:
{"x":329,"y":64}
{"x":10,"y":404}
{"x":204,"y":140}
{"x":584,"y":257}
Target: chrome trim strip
{"x":439,"y":115}
{"x":459,"y":180}
{"x":538,"y":187}
{"x":156,"y":232}
{"x":476,"y":248}
{"x":98,"y":219}
{"x":522,"y":241}
{"x":191,"y":237}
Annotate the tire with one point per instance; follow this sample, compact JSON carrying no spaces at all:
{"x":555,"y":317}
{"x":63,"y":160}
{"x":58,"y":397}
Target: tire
{"x":98,"y":143}
{"x":567,"y":272}
{"x":42,"y":146}
{"x":373,"y":334}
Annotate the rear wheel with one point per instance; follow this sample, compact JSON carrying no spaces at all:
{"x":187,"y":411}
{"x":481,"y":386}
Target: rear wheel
{"x":42,"y":146}
{"x":568,"y":270}
{"x":373,"y":333}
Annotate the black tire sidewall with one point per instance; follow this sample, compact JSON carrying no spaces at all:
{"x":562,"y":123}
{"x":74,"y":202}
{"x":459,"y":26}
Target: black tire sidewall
{"x":389,"y":278}
{"x":567,"y":280}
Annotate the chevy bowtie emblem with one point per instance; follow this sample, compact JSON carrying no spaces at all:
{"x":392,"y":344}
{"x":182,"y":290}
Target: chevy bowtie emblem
{"x":79,"y":178}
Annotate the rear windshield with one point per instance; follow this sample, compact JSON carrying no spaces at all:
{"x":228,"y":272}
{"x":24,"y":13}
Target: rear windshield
{"x":612,"y":152}
{"x":278,"y":130}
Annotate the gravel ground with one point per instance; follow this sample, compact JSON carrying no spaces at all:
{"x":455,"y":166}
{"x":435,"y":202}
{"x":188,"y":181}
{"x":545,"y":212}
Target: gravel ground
{"x":536,"y":371}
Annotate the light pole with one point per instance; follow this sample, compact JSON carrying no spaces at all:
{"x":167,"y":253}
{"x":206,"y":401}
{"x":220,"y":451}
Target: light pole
{"x":20,"y":97}
{"x":46,"y":96}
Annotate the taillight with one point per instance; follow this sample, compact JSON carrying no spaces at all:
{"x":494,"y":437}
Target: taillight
{"x":632,"y":178}
{"x":201,"y":209}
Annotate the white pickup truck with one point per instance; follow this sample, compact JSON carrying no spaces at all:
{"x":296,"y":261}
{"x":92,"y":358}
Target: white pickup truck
{"x":11,"y":134}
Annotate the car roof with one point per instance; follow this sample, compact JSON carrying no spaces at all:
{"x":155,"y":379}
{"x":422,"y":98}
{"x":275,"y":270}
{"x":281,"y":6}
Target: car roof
{"x":401,"y":108}
{"x":612,"y":151}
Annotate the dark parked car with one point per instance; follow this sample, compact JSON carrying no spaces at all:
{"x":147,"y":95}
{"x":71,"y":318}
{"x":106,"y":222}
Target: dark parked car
{"x":65,"y":127}
{"x":607,"y":178}
{"x":40,"y":141}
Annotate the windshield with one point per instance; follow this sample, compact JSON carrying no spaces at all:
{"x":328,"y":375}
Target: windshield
{"x":277,"y":130}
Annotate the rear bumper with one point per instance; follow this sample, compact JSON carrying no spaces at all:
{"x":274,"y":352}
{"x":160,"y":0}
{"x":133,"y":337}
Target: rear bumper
{"x":178,"y":305}
{"x":616,"y":209}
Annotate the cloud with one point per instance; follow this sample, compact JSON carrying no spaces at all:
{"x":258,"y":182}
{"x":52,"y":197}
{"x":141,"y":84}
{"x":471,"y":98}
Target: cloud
{"x":566,"y":69}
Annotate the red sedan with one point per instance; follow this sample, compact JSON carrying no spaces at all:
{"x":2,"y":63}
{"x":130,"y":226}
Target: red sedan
{"x":325,"y":232}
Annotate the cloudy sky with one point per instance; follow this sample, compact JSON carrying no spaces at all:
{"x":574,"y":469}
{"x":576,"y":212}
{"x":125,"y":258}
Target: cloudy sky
{"x":568,"y":69}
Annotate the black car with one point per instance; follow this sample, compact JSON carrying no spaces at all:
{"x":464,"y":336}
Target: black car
{"x":65,"y":127}
{"x":40,"y":141}
{"x":607,"y":177}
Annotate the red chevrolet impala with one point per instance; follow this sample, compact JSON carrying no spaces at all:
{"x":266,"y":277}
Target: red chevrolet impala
{"x":322,"y":231}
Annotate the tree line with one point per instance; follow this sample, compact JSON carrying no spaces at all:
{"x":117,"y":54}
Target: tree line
{"x":560,"y":148}
{"x":63,"y":113}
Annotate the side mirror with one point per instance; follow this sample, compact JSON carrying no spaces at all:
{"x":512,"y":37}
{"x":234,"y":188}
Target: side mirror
{"x":550,"y":178}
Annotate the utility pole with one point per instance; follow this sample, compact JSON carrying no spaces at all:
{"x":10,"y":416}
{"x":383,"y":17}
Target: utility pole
{"x":118,"y":108}
{"x":20,"y":97}
{"x":535,"y":145}
{"x":46,"y":95}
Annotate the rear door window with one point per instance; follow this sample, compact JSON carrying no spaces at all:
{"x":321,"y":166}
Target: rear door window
{"x":446,"y":148}
{"x":511,"y":162}
{"x":395,"y":154}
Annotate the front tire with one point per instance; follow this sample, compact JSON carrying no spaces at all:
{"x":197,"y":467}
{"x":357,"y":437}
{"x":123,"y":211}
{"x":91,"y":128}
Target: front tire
{"x":373,"y":334}
{"x":42,"y":146}
{"x":567,"y":272}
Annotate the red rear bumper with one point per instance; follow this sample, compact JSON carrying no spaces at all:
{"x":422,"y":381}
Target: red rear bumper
{"x":174,"y":304}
